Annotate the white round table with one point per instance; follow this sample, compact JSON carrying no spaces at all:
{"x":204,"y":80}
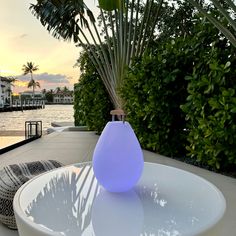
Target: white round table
{"x":166,"y":202}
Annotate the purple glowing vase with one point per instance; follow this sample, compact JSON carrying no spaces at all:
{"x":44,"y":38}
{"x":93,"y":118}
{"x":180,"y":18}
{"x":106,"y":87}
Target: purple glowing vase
{"x":118,"y":157}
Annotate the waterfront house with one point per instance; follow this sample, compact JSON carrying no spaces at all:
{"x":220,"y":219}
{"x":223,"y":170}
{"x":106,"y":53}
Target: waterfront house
{"x":27,"y":97}
{"x":63,"y":97}
{"x":5,"y":92}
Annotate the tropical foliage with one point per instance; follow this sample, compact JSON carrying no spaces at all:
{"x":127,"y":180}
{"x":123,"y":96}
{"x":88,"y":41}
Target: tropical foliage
{"x":11,"y":80}
{"x":30,"y":68}
{"x":226,"y":22}
{"x":58,"y":92}
{"x":92,"y":104}
{"x":179,"y":95}
{"x":153,"y":90}
{"x":33,"y":84}
{"x":49,"y":96}
{"x":60,"y":89}
{"x":210,"y":105}
{"x":63,"y":19}
{"x":127,"y":33}
{"x":195,"y":72}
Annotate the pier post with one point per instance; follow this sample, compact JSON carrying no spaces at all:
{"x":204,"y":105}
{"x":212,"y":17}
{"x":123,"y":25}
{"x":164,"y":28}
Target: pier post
{"x":21,"y":103}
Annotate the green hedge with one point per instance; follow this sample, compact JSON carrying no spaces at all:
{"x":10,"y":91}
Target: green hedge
{"x":211,"y":112}
{"x":183,"y":97}
{"x":210,"y":106}
{"x":153,"y":90}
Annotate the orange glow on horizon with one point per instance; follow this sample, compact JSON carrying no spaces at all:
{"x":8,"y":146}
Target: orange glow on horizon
{"x":25,"y":40}
{"x":19,"y":83}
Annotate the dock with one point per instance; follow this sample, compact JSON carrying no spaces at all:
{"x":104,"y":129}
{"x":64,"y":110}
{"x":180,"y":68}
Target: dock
{"x":24,"y":105}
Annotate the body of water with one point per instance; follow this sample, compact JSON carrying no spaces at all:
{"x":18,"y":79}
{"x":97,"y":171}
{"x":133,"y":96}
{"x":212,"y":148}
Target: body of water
{"x":52,"y":113}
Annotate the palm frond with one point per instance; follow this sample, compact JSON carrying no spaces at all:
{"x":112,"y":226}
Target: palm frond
{"x":127,"y":33}
{"x":224,"y":30}
{"x":62,"y":18}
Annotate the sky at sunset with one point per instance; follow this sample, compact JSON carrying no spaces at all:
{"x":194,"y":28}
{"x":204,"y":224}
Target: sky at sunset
{"x":23,"y":39}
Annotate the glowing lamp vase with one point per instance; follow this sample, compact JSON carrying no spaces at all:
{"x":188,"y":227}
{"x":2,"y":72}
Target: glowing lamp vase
{"x":118,"y":157}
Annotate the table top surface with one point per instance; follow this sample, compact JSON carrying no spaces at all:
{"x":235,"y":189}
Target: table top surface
{"x":166,"y":201}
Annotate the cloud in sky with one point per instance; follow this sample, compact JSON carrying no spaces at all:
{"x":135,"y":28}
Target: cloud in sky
{"x":47,"y":78}
{"x":24,"y":39}
{"x":23,"y":36}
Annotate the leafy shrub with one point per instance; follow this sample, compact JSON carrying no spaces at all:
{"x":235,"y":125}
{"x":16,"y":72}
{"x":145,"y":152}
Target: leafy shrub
{"x":195,"y":73}
{"x":79,"y":115}
{"x":211,"y":111}
{"x":180,"y":97}
{"x":91,"y":103}
{"x":153,"y":91}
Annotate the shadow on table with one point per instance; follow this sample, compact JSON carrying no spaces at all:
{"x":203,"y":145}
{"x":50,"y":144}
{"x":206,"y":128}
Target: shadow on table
{"x":74,"y":203}
{"x":60,"y":207}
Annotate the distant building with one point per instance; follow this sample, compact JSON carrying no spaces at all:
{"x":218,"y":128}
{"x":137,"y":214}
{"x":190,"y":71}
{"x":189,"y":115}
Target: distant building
{"x":5,"y":92}
{"x":63,"y":97}
{"x":30,"y":94}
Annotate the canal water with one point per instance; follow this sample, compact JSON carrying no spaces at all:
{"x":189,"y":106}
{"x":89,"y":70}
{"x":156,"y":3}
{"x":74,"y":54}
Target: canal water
{"x":12,"y":124}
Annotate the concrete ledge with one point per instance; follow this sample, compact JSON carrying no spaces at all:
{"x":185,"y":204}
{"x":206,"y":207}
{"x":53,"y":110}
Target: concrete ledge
{"x":66,"y":129}
{"x":61,"y":124}
{"x":77,"y":128}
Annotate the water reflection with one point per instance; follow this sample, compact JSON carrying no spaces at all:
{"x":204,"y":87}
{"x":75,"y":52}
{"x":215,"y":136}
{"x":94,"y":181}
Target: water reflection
{"x":15,"y":120}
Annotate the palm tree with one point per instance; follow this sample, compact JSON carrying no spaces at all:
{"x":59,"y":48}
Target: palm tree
{"x":58,"y":89}
{"x":29,"y":68}
{"x":65,"y":89}
{"x":34,"y":84}
{"x":128,"y":28}
{"x":44,"y":92}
